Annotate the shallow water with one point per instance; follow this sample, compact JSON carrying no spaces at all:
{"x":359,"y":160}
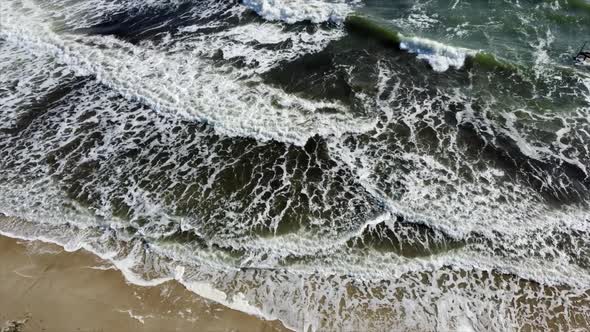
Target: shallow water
{"x":337,"y":165}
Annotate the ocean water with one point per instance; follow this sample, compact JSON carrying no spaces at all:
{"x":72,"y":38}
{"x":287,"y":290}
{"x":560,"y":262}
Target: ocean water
{"x":360,"y":165}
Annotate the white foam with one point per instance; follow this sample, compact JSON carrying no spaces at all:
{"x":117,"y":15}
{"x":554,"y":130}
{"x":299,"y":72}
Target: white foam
{"x":315,"y":290}
{"x":509,"y":214}
{"x":417,"y":18}
{"x":101,"y":267}
{"x":292,"y":11}
{"x":278,"y":297}
{"x":138,"y":318}
{"x":440,"y":56}
{"x":126,"y":266}
{"x":238,"y":302}
{"x":542,"y":60}
{"x":236,"y":43}
{"x":183,"y":84}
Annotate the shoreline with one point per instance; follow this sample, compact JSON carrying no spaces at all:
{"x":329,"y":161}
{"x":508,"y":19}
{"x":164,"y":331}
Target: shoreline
{"x":78,"y":291}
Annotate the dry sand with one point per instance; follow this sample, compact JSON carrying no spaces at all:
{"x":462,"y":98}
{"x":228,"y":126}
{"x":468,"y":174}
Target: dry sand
{"x":62,"y":292}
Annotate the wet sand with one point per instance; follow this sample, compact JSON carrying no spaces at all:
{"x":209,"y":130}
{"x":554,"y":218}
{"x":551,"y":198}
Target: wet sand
{"x":62,"y":292}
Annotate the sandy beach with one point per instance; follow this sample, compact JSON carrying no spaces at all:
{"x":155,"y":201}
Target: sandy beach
{"x":76,"y":291}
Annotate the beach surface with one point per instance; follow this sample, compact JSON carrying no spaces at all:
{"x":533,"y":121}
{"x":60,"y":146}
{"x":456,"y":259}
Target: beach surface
{"x":56,"y":290}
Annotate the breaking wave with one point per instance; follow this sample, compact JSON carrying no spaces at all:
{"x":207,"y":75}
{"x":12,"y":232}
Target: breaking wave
{"x":315,"y":11}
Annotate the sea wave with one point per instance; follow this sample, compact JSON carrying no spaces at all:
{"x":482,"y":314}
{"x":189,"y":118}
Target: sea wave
{"x":439,"y":56}
{"x":196,"y":87}
{"x":294,"y":171}
{"x":315,"y":11}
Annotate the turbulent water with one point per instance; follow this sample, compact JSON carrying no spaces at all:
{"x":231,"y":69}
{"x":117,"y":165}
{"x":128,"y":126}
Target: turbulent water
{"x":339,"y":165}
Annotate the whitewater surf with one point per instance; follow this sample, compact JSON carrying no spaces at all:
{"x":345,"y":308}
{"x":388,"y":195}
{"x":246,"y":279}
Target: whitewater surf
{"x":336,"y":165}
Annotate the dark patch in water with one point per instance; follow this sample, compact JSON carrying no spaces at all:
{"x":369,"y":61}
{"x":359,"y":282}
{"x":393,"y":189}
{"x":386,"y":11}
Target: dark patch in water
{"x":504,"y":153}
{"x":28,"y":113}
{"x":368,"y":29}
{"x":407,"y":239}
{"x":136,"y":25}
{"x":314,"y":75}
